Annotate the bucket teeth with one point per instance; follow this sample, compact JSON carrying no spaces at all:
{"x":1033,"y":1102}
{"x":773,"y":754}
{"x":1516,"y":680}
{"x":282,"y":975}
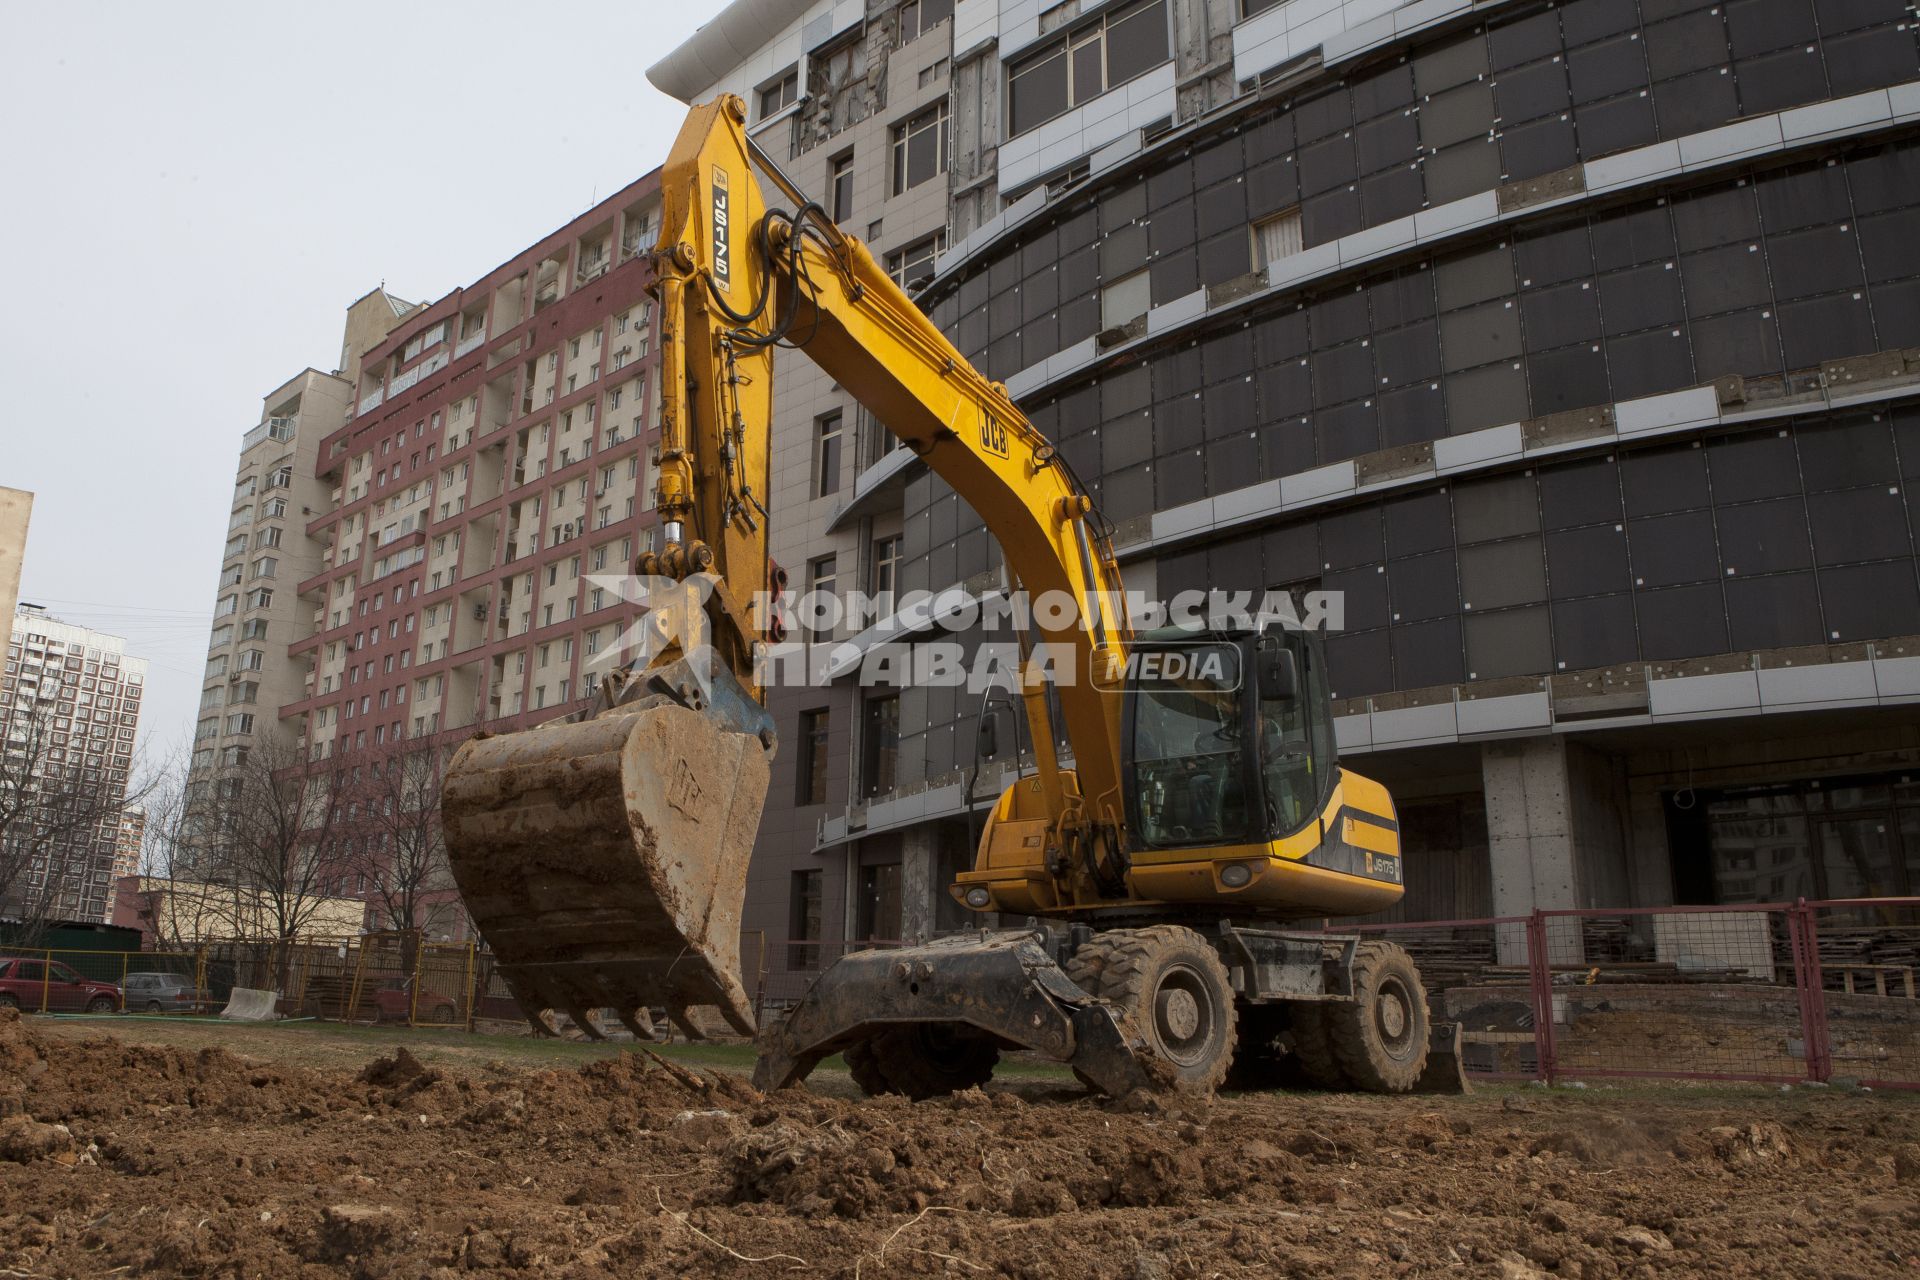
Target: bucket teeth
{"x":605,"y":860}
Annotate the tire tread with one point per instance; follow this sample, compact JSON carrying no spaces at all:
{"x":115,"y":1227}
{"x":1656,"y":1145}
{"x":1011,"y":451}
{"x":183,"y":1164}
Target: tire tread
{"x":1361,"y":1058}
{"x":1115,"y":965}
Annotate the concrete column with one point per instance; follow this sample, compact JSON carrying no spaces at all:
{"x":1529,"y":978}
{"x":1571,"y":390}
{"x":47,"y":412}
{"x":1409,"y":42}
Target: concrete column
{"x":919,"y":881}
{"x":1649,"y":855}
{"x":1530,"y":839}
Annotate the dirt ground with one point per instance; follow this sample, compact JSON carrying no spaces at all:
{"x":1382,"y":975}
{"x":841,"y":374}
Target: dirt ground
{"x":124,"y":1154}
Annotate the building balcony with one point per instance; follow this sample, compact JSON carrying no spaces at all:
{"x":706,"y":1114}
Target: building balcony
{"x":470,"y":344}
{"x":281,"y":429}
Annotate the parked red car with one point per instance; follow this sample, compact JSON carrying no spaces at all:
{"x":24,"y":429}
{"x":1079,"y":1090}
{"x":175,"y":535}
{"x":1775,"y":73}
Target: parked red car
{"x":42,"y":986}
{"x":394,"y":1001}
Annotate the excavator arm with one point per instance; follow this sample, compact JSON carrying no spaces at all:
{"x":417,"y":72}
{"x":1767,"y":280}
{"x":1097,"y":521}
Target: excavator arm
{"x":734,"y":281}
{"x":604,"y":859}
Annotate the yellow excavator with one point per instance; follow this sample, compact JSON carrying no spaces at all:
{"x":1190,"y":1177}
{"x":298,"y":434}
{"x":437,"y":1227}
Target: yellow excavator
{"x":1202,"y":810}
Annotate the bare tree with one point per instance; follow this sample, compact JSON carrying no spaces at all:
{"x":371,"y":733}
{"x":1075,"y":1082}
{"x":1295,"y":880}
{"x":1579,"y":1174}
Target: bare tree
{"x":395,"y":843}
{"x":170,"y":845}
{"x":266,"y":838}
{"x":61,"y":802}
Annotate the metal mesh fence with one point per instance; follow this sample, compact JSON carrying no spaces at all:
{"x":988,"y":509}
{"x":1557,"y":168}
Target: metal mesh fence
{"x":1808,"y":991}
{"x":1710,"y":993}
{"x":41,"y":980}
{"x":1865,"y":954}
{"x":1776,"y":992}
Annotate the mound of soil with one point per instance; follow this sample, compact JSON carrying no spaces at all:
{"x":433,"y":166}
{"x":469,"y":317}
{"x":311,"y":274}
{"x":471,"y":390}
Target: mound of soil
{"x":117,"y":1156}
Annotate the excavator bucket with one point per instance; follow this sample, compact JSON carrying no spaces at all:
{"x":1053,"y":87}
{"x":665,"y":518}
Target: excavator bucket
{"x":605,"y":860}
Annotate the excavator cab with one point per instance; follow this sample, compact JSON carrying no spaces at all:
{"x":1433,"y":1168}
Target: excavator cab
{"x":1234,"y":797}
{"x":1228,"y":739}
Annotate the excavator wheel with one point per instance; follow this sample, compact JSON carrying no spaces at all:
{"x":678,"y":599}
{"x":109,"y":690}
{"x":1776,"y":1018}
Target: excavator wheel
{"x":1313,"y":1057}
{"x":921,"y":1060}
{"x":1171,"y":986}
{"x":1380,"y":1037}
{"x":865,"y":1069}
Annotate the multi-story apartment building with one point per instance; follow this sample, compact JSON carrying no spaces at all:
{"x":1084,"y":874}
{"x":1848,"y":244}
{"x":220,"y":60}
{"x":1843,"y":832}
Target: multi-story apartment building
{"x":1574,"y":344}
{"x":126,"y":850}
{"x":69,"y":711}
{"x":16,"y":506}
{"x":494,"y":458}
{"x":257,"y":613}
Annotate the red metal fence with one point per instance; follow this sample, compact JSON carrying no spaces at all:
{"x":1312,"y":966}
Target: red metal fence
{"x":1781,"y":993}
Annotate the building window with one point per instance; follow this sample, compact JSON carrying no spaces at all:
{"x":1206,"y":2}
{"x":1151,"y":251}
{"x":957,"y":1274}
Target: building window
{"x":822,"y":577}
{"x":1126,"y":299}
{"x":1109,"y":52}
{"x":886,"y":569}
{"x":917,"y":17}
{"x":1275,"y":238}
{"x":913,"y":266}
{"x":827,"y":454}
{"x":920,"y":148}
{"x":840,"y":188}
{"x":780,"y":94}
{"x":803,"y":921}
{"x":811,"y":768}
{"x":1250,"y":7}
{"x":880,"y":745}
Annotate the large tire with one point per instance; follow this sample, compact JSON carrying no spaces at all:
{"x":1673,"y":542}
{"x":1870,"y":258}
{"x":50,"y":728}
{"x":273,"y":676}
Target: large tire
{"x":922,"y":1060}
{"x":1171,"y":986}
{"x":1380,"y":1037}
{"x":101,"y":1004}
{"x":1313,"y":1057}
{"x":865,"y":1070}
{"x":8,"y":1000}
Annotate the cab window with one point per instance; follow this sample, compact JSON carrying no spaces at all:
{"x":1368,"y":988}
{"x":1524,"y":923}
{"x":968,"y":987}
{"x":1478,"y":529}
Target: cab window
{"x":1296,"y":736}
{"x":1187,"y":745}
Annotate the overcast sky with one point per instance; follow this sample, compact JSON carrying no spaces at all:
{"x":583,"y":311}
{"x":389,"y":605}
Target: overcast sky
{"x":195,"y":192}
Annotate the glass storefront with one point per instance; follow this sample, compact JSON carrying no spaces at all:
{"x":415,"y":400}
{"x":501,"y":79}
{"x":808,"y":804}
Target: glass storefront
{"x":1819,"y":839}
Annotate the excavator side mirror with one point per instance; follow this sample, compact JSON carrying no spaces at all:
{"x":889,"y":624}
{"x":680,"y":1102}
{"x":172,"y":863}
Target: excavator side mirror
{"x":1279,"y":675}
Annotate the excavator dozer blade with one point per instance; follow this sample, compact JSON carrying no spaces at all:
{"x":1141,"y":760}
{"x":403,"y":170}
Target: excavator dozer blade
{"x":1004,"y":984}
{"x":605,"y":860}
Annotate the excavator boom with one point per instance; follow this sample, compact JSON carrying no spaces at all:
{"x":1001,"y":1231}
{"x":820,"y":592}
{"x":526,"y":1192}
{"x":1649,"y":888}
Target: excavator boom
{"x":604,"y":859}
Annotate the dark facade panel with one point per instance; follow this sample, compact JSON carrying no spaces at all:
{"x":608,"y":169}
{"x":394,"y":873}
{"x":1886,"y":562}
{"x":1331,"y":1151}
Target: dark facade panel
{"x":1794,"y":533}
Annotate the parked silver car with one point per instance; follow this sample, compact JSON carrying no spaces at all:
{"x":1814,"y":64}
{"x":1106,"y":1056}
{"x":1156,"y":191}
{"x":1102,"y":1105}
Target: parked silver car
{"x":161,"y":993}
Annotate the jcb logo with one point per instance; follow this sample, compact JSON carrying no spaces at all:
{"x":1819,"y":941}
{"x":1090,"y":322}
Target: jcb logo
{"x":993,"y":435}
